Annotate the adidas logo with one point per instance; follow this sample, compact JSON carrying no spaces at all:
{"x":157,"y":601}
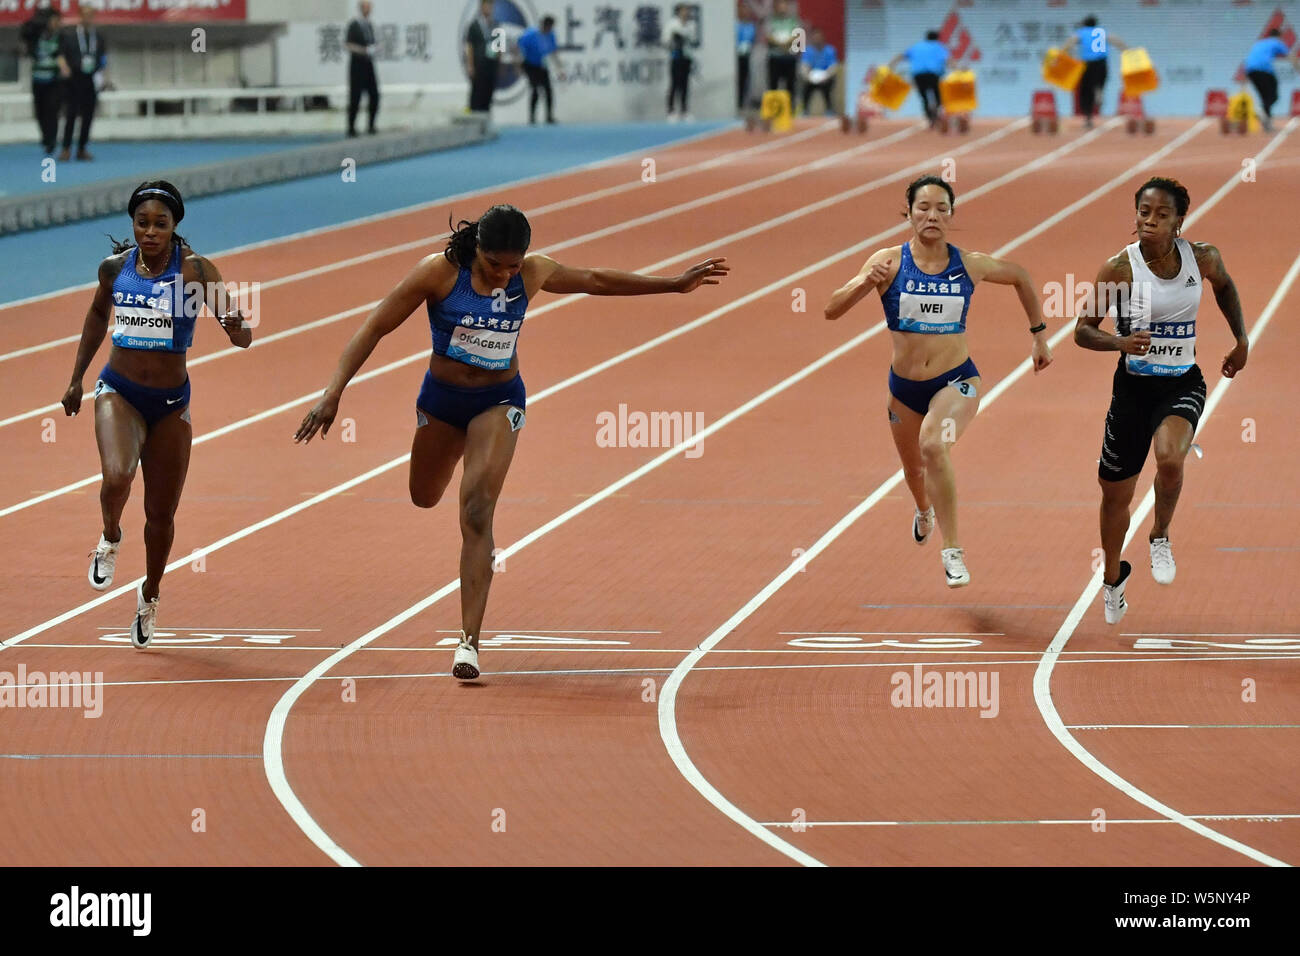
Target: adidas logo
{"x":1191,"y":280}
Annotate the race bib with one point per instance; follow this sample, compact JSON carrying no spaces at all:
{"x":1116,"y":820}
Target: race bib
{"x":483,"y":348}
{"x":1172,"y":352}
{"x":930,"y":314}
{"x":89,"y":63}
{"x":142,"y":328}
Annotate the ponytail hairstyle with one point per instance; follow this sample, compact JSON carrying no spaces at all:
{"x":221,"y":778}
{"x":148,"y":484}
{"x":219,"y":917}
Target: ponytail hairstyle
{"x":165,"y":193}
{"x":503,"y":228}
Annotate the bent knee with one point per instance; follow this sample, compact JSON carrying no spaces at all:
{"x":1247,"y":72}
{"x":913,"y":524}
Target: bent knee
{"x":933,"y":447}
{"x":476,"y":513}
{"x":425,"y":497}
{"x":118,"y":481}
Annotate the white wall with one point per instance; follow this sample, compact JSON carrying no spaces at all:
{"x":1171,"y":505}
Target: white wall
{"x":1194,"y":44}
{"x":604,"y":82}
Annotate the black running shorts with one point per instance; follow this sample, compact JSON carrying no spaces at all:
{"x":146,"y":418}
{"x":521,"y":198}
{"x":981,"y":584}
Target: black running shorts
{"x":1138,"y":404}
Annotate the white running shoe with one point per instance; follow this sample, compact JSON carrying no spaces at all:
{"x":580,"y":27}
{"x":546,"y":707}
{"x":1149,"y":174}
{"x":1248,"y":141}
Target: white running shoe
{"x":1162,"y":561}
{"x":464,"y":665}
{"x":954,"y":568}
{"x":1112,"y":595}
{"x":103,"y":561}
{"x":146,"y":613}
{"x":922,"y":524}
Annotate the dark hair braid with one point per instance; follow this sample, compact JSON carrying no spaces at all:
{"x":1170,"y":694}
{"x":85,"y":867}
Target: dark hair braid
{"x":503,"y":228}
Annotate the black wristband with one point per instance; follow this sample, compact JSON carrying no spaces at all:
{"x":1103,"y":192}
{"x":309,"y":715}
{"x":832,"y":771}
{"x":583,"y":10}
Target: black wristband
{"x":1038,"y":328}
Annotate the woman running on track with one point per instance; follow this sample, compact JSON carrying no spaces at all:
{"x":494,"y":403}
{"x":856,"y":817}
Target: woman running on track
{"x":472,"y":402}
{"x":926,"y":287}
{"x":142,"y":397}
{"x":1159,"y":392}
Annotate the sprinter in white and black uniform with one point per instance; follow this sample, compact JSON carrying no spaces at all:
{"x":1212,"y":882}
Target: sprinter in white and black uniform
{"x":155,"y":288}
{"x":472,"y":401}
{"x":1154,"y":290}
{"x":926,"y":287}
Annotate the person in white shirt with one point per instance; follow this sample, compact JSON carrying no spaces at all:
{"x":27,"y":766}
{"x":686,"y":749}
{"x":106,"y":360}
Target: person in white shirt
{"x":1154,"y":287}
{"x":678,"y":35}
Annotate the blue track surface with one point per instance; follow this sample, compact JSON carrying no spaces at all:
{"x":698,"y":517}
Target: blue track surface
{"x":49,"y":259}
{"x":21,"y":163}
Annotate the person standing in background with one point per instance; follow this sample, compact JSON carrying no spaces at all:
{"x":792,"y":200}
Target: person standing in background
{"x":819,"y":68}
{"x":679,"y":63}
{"x":536,"y":45}
{"x":1259,"y":67}
{"x":745,"y":32}
{"x":782,"y":61}
{"x":481,"y":59}
{"x":926,"y":60}
{"x":45,"y":79}
{"x":361,"y":69}
{"x":1094,"y":49}
{"x":82,"y":58}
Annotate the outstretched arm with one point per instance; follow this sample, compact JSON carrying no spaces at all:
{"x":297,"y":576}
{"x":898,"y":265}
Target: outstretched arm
{"x":558,"y":278}
{"x":1225,"y":293}
{"x":93,"y":331}
{"x":429,"y":279}
{"x":982,"y":267}
{"x":873,"y":274}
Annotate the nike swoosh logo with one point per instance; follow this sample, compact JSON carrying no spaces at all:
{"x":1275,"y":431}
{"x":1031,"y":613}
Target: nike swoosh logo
{"x":173,"y":401}
{"x":98,"y":579}
{"x":955,"y":381}
{"x":516,"y":298}
{"x":957,"y":276}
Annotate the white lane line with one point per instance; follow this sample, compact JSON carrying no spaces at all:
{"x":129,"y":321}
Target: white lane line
{"x":1182,"y":727}
{"x":422,"y":355}
{"x":1043,"y":674}
{"x":417,"y":356}
{"x":1210,"y":634}
{"x":1252,"y":817}
{"x":582,"y":199}
{"x":668,"y":695}
{"x":485,"y":192}
{"x":893,"y":633}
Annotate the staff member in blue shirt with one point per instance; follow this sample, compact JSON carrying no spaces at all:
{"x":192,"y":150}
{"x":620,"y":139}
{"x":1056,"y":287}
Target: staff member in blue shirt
{"x":820,"y":57}
{"x":745,"y":33}
{"x":536,"y":45}
{"x":1259,"y":67}
{"x":1094,"y":49}
{"x":927,"y":60}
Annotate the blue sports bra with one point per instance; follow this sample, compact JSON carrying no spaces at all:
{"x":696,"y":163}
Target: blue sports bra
{"x":928,"y":304}
{"x":150,"y":313}
{"x":479,"y":330}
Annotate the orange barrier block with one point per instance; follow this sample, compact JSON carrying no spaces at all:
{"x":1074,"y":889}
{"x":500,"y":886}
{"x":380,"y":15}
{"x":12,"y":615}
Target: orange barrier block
{"x":1138,"y":73}
{"x":1062,"y":70}
{"x":888,"y":88}
{"x":957,"y":92}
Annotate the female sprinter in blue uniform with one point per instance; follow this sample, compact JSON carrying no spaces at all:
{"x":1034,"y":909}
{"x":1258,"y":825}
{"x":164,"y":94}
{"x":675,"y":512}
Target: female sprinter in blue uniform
{"x":472,"y":402}
{"x":142,"y":398}
{"x":926,"y":286}
{"x":1154,"y":287}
